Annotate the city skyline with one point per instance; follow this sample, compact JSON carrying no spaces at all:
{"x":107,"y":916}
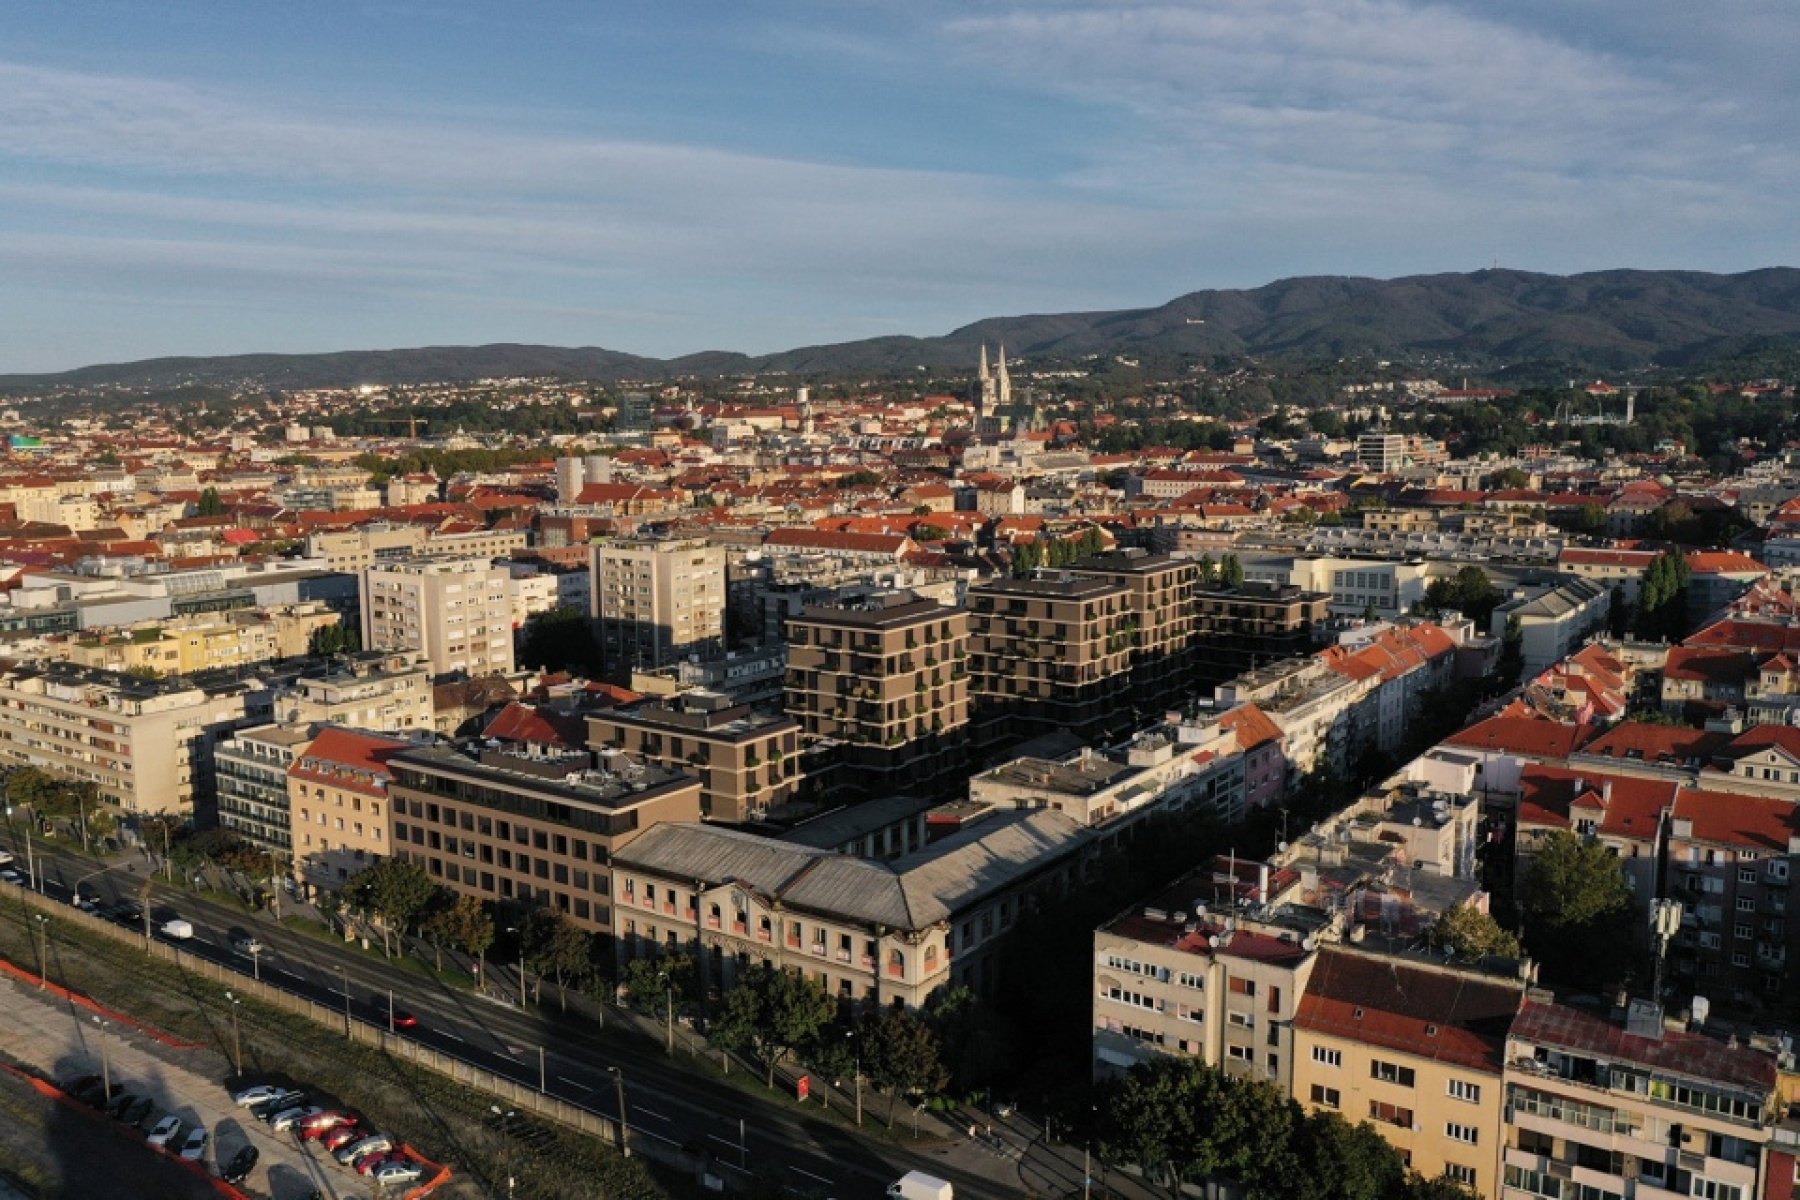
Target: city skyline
{"x":198,"y":181}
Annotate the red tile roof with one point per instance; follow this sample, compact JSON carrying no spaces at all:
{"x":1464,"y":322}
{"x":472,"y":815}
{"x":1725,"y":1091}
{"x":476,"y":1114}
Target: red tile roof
{"x":1635,"y":741}
{"x":1761,"y":823}
{"x":544,"y":727}
{"x":1448,"y":1017}
{"x":1531,"y":737}
{"x":1692,"y":1054}
{"x":1252,"y":726}
{"x":348,"y":759}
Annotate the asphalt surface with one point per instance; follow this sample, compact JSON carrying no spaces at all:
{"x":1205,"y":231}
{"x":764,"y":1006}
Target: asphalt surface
{"x":663,"y":1102}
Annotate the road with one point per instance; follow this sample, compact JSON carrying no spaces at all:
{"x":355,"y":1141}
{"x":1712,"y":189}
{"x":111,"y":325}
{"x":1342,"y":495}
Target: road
{"x":663,"y":1102}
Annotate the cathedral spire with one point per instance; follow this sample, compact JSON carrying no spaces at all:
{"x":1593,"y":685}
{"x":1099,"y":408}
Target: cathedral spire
{"x":1005,"y":383}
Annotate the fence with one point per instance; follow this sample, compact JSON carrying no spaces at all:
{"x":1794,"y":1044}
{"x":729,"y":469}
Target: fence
{"x":517,"y":1095}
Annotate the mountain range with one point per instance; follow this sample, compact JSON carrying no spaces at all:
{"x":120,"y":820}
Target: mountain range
{"x":1491,"y":322}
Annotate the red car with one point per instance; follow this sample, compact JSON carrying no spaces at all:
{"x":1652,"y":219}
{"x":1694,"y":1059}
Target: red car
{"x":367,"y":1166}
{"x":320,"y":1124}
{"x":340,"y":1137}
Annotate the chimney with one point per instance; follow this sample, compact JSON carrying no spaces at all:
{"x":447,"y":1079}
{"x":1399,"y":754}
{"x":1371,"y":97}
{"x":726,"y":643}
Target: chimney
{"x":1262,"y":881}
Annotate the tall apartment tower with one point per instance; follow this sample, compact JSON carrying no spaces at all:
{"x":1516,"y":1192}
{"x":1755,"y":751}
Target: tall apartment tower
{"x":1381,"y":451}
{"x":887,"y":680}
{"x":1048,"y":653}
{"x":658,"y":602}
{"x":454,"y":612}
{"x":1160,"y":594}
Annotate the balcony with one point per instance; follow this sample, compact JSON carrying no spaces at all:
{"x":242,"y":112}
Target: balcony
{"x":792,"y":943}
{"x":763,"y":935}
{"x":738,"y":927}
{"x":820,"y":949}
{"x":896,"y":970}
{"x":712,"y":922}
{"x":843,"y":955}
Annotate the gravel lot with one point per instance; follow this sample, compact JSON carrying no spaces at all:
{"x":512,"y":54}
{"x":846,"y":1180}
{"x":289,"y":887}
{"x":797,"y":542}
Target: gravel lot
{"x":59,"y":1040}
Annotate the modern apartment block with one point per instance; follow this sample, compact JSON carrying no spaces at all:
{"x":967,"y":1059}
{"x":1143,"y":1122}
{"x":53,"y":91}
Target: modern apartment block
{"x":1598,"y":1108}
{"x":338,"y":798}
{"x":748,"y":761}
{"x":358,"y":549}
{"x":251,"y":767}
{"x":456,"y":613}
{"x":1160,"y":595}
{"x":886,"y":679}
{"x":1731,"y":865}
{"x":658,"y":602}
{"x":146,"y":744}
{"x":530,"y":829}
{"x":878,"y":933}
{"x":373,"y":690}
{"x":1049,"y":653}
{"x":1239,"y":629}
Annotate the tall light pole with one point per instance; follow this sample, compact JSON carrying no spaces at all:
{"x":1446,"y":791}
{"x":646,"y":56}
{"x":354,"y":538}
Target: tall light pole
{"x":619,"y":1082}
{"x":105,"y":1060}
{"x":256,"y":960}
{"x":669,"y":1008}
{"x":852,"y":1035}
{"x":344,"y":974}
{"x":43,"y":924}
{"x":237,"y":1047}
{"x":30,"y":863}
{"x":521,"y":932}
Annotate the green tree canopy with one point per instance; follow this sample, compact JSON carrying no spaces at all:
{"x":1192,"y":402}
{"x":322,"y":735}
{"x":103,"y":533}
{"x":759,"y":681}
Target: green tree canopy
{"x":555,"y":946}
{"x":1472,"y":933}
{"x":900,"y":1056}
{"x":394,"y":893}
{"x":770,"y":1012}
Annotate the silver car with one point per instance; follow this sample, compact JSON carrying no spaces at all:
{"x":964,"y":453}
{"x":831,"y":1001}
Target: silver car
{"x":369,"y":1145}
{"x":194,"y":1149}
{"x":166,"y":1131}
{"x":288,"y":1118}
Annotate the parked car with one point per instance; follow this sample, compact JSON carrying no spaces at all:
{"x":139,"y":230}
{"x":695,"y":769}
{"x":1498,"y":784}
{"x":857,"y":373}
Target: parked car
{"x":137,"y":1112}
{"x":79,"y":1083}
{"x":166,"y":1131}
{"x":318,"y":1125}
{"x":337,"y":1139}
{"x":366,"y":1145}
{"x":287,"y":1118}
{"x":259,"y":1093}
{"x":403,"y":1171}
{"x":367,"y":1164}
{"x":93,"y":1094}
{"x":194,"y":1149}
{"x":263,"y":1110}
{"x":242,"y":1163}
{"x":121,"y":1101}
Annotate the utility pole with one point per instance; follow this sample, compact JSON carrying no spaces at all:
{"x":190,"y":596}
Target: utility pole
{"x":43,"y":924}
{"x":105,"y":1061}
{"x":344,"y":975}
{"x":237,"y":1047}
{"x":669,"y":997}
{"x":543,"y":1072}
{"x":390,"y":1010}
{"x":619,"y":1082}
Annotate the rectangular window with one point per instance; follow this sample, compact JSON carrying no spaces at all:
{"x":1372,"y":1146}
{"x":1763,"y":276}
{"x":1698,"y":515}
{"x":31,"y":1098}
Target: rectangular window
{"x":1467,"y":1134}
{"x":1329,"y":1058}
{"x":1381,"y":1112}
{"x":1325,"y":1097}
{"x":1460,"y":1174}
{"x":1389,"y":1072}
{"x":1462,"y":1089}
{"x":1243,"y":987}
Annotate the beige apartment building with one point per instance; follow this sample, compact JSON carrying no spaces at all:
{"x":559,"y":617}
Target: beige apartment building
{"x":887,"y":679}
{"x":658,"y":602}
{"x":1416,"y":1049}
{"x":531,"y":829}
{"x":372,"y":690}
{"x":146,"y":744}
{"x":338,"y":797}
{"x":877,"y":933}
{"x":1160,"y":596}
{"x":748,"y":761}
{"x":251,"y":767}
{"x":355,"y":550}
{"x":183,"y":645}
{"x":454,"y":612}
{"x":1048,"y":653}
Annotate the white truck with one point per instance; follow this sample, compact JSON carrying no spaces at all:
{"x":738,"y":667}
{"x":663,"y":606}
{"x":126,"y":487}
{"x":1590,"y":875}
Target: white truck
{"x":917,"y":1185}
{"x":179,"y":929}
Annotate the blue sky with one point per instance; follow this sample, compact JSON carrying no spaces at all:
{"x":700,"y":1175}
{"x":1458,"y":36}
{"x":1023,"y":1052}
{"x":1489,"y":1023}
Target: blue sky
{"x":201,"y":177}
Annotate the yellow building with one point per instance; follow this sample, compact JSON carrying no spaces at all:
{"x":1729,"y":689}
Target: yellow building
{"x":1415,"y":1049}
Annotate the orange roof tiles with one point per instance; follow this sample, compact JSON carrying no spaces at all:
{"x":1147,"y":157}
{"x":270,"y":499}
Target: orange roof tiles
{"x":1439,"y":1015}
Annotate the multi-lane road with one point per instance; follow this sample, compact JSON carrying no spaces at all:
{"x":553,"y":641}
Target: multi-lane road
{"x":572,"y":1060}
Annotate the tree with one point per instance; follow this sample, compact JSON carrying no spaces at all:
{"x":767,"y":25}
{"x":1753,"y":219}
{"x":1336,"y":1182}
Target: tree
{"x":771,"y":1011}
{"x":1347,"y":1162}
{"x":394,"y":892}
{"x":560,"y":640}
{"x":900,"y":1056}
{"x":1231,"y":572}
{"x":652,"y":981}
{"x":462,"y":924}
{"x":210,"y":504}
{"x":554,"y":945}
{"x":336,"y":638}
{"x":929,"y":533}
{"x":1512,"y":653}
{"x":975,"y":1041}
{"x":1576,"y":906}
{"x":1472,"y":933}
{"x":1509,"y":479}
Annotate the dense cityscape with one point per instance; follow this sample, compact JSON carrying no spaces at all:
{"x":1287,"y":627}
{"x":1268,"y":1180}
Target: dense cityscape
{"x":1388,"y":790}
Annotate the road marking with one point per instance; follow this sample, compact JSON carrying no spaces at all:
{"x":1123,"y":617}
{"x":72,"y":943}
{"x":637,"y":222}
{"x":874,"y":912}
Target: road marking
{"x":574,"y":1082}
{"x":448,"y":1034}
{"x":642,"y":1111}
{"x":810,"y":1175}
{"x":510,"y":1058}
{"x":723,"y":1141}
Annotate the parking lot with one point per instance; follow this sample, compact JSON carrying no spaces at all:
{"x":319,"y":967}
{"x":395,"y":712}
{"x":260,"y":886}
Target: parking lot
{"x":60,"y":1041}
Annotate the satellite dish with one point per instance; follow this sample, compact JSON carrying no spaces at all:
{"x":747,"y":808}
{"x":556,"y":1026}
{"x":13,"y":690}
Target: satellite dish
{"x":1281,"y":847}
{"x":1417,"y":822}
{"x":1213,"y":941}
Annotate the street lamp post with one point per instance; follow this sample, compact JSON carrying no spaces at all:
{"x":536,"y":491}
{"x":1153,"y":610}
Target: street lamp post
{"x":43,"y":924}
{"x":619,"y":1082}
{"x":521,"y":932}
{"x":851,"y":1034}
{"x":256,"y":961}
{"x":669,"y":1002}
{"x":543,"y":1073}
{"x":390,"y":1010}
{"x":344,"y":974}
{"x":237,"y":1047}
{"x":30,"y":862}
{"x":105,"y":1060}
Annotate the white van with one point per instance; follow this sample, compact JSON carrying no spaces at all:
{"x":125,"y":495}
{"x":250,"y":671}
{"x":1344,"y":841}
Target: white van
{"x":181,"y":930}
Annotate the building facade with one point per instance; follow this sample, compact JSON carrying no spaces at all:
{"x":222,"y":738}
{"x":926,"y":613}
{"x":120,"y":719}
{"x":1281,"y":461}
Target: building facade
{"x":455,"y":613}
{"x":658,"y":602}
{"x":1049,"y":653}
{"x":748,"y":762}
